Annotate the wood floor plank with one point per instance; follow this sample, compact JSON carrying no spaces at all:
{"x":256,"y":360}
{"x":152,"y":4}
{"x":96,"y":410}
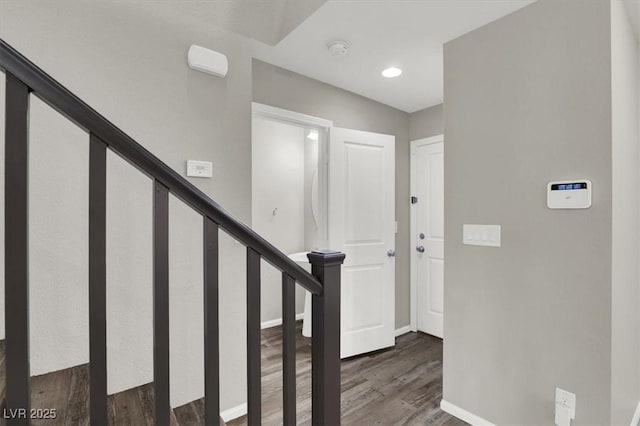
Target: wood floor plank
{"x":400,"y":385}
{"x":190,"y":414}
{"x":78,"y":401}
{"x":124,"y":408}
{"x":397,"y":386}
{"x":51,"y":392}
{"x":145,"y":396}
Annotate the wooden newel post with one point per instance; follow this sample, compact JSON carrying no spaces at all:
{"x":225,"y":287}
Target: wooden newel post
{"x":325,"y":335}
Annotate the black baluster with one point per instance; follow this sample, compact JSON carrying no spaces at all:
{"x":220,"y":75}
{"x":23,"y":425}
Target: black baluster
{"x":254,"y":387}
{"x":161,"y":303}
{"x":289,"y":349}
{"x":16,"y":252}
{"x":97,"y":280}
{"x":211,"y":315}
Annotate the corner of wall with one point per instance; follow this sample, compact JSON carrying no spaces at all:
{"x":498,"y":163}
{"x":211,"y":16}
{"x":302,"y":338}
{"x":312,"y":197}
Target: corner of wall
{"x":625,"y":324}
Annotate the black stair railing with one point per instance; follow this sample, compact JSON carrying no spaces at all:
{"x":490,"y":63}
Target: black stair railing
{"x":24,"y":78}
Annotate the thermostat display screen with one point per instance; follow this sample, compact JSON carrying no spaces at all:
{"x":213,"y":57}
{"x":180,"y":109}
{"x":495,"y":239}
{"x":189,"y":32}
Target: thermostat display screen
{"x":569,"y":194}
{"x":568,"y":186}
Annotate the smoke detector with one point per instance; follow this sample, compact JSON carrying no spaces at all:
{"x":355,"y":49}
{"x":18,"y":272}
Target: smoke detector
{"x":338,"y":48}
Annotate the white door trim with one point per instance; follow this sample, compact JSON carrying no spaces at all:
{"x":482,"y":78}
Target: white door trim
{"x":271,"y":112}
{"x":413,"y":309}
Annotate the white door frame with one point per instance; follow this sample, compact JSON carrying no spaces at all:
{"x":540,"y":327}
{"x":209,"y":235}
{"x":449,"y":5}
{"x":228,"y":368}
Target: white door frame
{"x":413,"y":308}
{"x":292,"y":117}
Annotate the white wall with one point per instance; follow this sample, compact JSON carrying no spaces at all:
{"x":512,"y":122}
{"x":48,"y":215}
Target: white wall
{"x":127,"y":60}
{"x":625,"y":326}
{"x":129,"y":277}
{"x":186,"y":296}
{"x":58,"y":218}
{"x":278,"y":177}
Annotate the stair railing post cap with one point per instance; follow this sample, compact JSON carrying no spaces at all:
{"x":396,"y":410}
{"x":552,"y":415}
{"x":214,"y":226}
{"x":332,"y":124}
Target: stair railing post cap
{"x":326,"y":257}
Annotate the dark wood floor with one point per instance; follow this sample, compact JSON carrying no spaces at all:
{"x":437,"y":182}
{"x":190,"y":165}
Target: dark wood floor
{"x":398,"y":386}
{"x":67,"y":391}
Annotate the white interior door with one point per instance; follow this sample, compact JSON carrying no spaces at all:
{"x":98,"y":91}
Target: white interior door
{"x":362,"y":225}
{"x":427,"y":234}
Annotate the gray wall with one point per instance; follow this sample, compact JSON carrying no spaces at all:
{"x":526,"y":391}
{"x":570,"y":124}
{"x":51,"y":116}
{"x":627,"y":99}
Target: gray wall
{"x":535,"y":313}
{"x":285,"y":89}
{"x":625,"y":327}
{"x":129,"y":62}
{"x":426,"y":123}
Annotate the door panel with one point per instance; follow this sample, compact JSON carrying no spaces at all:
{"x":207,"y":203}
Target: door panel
{"x":427,"y":229}
{"x":365,"y":312}
{"x":364,"y":167}
{"x":362,"y":225}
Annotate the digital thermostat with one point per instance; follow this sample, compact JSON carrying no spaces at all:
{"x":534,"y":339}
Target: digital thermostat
{"x":202,"y":169}
{"x":570,"y":194}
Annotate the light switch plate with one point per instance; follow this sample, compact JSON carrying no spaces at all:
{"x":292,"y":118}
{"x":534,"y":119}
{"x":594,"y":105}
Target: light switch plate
{"x":201,"y":169}
{"x":481,"y":235}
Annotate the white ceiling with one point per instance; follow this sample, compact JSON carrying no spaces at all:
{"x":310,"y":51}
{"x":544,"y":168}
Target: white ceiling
{"x":408,"y":34}
{"x":268,"y":21}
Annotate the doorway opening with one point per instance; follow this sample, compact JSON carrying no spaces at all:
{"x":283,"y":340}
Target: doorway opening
{"x":289,"y":197}
{"x":317,"y":186}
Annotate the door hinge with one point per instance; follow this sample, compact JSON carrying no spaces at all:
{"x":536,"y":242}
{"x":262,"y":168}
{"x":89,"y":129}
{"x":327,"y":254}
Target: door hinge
{"x":414,"y":199}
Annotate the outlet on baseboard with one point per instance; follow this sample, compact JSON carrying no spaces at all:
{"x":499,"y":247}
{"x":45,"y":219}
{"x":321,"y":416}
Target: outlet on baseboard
{"x":565,"y":407}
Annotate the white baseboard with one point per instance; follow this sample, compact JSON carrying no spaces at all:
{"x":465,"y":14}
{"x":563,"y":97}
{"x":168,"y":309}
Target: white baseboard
{"x":403,"y":330}
{"x":464,"y":415}
{"x":635,"y":421}
{"x":234,"y":412}
{"x":277,"y":321}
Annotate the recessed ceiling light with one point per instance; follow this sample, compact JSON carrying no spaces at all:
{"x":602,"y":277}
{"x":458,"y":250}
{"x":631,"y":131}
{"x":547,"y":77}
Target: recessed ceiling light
{"x":391,"y":72}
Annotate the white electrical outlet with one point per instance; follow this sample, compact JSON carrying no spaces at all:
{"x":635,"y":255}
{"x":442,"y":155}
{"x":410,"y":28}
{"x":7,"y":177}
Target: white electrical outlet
{"x":565,"y":407}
